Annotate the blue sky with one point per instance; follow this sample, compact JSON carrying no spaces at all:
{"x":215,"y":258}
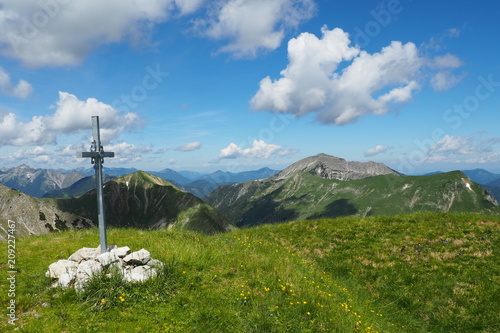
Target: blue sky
{"x":242,"y":84}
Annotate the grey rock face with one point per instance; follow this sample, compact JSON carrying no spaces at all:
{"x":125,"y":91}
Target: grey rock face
{"x":331,"y":167}
{"x":34,"y":216}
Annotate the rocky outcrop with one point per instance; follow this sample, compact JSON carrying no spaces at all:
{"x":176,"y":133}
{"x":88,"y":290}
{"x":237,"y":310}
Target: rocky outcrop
{"x":331,"y":167}
{"x":81,"y":266}
{"x":35,"y":216}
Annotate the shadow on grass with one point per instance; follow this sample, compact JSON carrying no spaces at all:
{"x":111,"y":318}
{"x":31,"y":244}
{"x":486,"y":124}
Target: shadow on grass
{"x":267,"y":210}
{"x":337,"y":208}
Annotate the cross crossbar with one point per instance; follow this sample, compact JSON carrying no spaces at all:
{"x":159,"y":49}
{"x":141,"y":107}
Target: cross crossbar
{"x":94,"y":154}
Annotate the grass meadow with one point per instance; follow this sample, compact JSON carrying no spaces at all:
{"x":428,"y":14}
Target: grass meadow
{"x":406,"y":273}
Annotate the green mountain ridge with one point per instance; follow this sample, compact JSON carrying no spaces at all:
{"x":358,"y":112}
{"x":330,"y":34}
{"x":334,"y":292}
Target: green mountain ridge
{"x":143,"y":200}
{"x":303,"y":195}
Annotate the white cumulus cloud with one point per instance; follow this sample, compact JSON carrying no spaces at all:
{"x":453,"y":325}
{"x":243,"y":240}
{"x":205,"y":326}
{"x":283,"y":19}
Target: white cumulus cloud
{"x":22,"y":90}
{"x":488,"y":158}
{"x":189,"y":146}
{"x":66,"y":156}
{"x":53,"y":33}
{"x":379,"y":149}
{"x":127,"y":152}
{"x":446,"y":61}
{"x":444,"y":79}
{"x":188,"y":6}
{"x":71,"y":115}
{"x":59,"y":33}
{"x":259,"y":149}
{"x":253,"y":25}
{"x":33,"y":153}
{"x":462,"y":145}
{"x":340,"y":82}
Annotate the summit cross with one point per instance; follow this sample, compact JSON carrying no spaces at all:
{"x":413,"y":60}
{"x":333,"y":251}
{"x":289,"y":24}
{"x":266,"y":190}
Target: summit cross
{"x":97,"y":155}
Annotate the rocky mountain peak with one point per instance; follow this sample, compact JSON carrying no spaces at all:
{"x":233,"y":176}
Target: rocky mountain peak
{"x":332,"y":167}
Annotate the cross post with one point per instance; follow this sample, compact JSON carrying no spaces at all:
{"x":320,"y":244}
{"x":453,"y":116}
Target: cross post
{"x":97,"y":155}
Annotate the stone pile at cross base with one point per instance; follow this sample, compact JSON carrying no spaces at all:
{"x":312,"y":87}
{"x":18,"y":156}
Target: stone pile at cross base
{"x":81,"y":266}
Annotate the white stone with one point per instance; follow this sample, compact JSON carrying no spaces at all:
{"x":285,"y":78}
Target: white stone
{"x":117,"y":266}
{"x":66,"y":279}
{"x":87,"y":262}
{"x":107,"y":258}
{"x":80,"y":286}
{"x":140,"y":257}
{"x":139,"y":274}
{"x":127,"y":274}
{"x":85,"y":253}
{"x":60,"y":267}
{"x":121,"y":252}
{"x":84,"y":273}
{"x":155,"y":263}
{"x":87,"y":269}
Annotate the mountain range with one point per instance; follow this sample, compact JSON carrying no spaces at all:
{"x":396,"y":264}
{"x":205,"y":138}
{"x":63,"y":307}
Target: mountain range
{"x":37,"y":182}
{"x":483,"y":177}
{"x":140,"y":200}
{"x":320,"y":186}
{"x":324,"y":186}
{"x":78,"y":188}
{"x":72,"y":183}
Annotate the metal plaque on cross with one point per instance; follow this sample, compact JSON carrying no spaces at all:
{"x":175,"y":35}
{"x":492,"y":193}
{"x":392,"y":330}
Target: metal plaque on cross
{"x":97,"y":155}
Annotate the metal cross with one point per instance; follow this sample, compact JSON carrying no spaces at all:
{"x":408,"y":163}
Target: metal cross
{"x":97,"y":155}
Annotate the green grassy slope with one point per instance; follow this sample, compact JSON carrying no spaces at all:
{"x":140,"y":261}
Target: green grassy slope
{"x":414,"y":273}
{"x":142,"y":200}
{"x":305,"y":196}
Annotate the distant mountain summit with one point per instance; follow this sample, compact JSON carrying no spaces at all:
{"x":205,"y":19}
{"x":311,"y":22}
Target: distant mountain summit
{"x":331,"y":167}
{"x":482,"y":176}
{"x":76,"y":189}
{"x":37,"y":182}
{"x":143,"y":200}
{"x":324,"y":186}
